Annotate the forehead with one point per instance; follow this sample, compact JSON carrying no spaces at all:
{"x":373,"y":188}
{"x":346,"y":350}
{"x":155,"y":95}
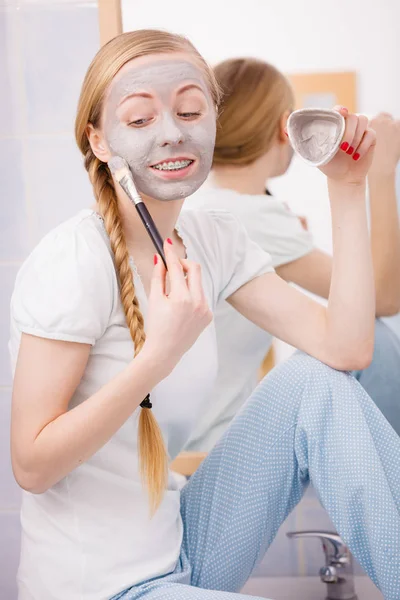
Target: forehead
{"x":156,"y":74}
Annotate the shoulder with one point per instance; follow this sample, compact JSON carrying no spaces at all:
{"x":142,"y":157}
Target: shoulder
{"x":211,"y":224}
{"x":66,"y":287}
{"x":80,"y":242}
{"x":250,"y":209}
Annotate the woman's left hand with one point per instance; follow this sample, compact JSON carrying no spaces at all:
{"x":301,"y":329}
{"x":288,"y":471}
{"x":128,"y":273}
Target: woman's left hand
{"x":351,"y":163}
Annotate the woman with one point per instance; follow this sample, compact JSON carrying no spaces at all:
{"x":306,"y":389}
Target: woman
{"x":252,"y":147}
{"x":100,"y":516}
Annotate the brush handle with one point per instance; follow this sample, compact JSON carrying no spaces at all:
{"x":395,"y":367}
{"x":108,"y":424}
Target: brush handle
{"x":152,"y":230}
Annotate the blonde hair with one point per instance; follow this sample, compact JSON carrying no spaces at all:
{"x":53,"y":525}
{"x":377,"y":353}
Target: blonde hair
{"x":255,"y":96}
{"x":106,"y":64}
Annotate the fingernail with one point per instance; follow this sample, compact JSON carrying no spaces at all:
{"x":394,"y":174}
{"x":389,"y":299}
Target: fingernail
{"x":344,"y":108}
{"x":344,"y":146}
{"x":155,"y":259}
{"x":286,"y":133}
{"x":356,"y":156}
{"x":350,"y":150}
{"x":169,"y":241}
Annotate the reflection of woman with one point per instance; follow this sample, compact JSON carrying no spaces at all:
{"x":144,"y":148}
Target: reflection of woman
{"x":251,"y":147}
{"x":91,"y":530}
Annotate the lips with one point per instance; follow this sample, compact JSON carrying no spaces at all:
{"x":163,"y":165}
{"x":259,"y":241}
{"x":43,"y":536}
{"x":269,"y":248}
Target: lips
{"x":173,"y":164}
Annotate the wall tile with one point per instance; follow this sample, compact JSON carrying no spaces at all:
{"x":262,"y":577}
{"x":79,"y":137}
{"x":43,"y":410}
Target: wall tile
{"x":312,"y":557}
{"x":10,"y":494}
{"x":8,"y":71}
{"x":58,"y":183}
{"x":14,"y":241}
{"x":7,"y":278}
{"x":59,"y":43}
{"x":9,"y":554}
{"x":282,"y":556}
{"x":52,"y":3}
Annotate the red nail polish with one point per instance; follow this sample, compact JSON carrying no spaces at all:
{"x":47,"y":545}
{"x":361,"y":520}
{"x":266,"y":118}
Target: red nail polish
{"x":155,"y":259}
{"x":169,"y":241}
{"x":356,"y":156}
{"x":286,"y":133}
{"x":344,"y":146}
{"x":350,"y":150}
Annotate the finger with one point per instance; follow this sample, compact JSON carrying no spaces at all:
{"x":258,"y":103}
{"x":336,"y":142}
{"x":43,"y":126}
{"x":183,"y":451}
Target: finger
{"x":157,"y":286}
{"x":367,"y":142}
{"x":175,"y":270}
{"x":362,"y":126}
{"x":349,"y":132}
{"x":194,"y":281}
{"x":304,"y":222}
{"x":342,"y":110}
{"x":385,"y":115}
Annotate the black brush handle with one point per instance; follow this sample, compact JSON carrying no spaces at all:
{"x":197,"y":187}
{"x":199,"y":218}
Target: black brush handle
{"x":151,"y":229}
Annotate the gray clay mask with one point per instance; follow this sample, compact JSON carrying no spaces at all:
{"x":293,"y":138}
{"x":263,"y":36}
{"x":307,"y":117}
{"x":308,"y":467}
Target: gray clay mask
{"x":167,"y":135}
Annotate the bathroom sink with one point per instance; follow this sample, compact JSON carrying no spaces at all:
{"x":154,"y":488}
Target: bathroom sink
{"x":304,"y":588}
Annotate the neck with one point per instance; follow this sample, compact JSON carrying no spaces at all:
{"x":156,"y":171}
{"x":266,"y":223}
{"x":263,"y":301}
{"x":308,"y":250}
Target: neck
{"x":164,"y":214}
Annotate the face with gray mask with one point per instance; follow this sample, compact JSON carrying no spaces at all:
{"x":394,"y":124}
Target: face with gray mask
{"x":159,"y":116}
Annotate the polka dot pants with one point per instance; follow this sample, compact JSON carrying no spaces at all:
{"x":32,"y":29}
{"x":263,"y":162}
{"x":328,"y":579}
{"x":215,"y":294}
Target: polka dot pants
{"x":305,"y":422}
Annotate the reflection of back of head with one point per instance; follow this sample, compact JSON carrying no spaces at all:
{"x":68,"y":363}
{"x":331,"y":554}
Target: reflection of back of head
{"x":248,"y":124}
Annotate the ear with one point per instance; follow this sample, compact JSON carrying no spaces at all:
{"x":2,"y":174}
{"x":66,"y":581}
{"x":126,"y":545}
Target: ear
{"x":97,"y":143}
{"x":282,"y":136}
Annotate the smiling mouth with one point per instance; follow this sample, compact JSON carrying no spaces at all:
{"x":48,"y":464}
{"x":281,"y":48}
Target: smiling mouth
{"x":173,"y":165}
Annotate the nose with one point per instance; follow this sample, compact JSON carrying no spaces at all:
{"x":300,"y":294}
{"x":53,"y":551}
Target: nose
{"x":172,"y":133}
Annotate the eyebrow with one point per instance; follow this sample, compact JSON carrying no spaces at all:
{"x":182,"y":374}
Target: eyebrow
{"x":147,"y":95}
{"x":190,"y":86}
{"x":135,"y":95}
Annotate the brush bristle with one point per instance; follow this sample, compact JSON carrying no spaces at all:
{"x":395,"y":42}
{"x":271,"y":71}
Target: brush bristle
{"x":118,"y":167}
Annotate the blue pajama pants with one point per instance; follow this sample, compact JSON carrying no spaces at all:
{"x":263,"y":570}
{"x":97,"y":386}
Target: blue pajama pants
{"x":304,"y":423}
{"x":381,"y":380}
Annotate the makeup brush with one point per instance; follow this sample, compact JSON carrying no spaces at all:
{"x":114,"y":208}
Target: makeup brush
{"x":119,"y":168}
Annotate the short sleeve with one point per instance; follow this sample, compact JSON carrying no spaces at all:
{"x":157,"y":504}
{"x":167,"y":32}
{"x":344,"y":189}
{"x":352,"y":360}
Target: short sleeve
{"x":64,"y":290}
{"x":240,"y":258}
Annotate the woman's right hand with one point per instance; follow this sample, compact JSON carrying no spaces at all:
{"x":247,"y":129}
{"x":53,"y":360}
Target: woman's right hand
{"x":178,"y":315}
{"x":387,"y":151}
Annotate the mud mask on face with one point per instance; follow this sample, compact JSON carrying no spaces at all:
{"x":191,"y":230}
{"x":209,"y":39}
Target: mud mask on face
{"x":168,"y":136}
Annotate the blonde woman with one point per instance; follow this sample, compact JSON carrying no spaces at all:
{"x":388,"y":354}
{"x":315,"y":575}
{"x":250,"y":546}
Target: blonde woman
{"x":97,"y":327}
{"x":252,"y":147}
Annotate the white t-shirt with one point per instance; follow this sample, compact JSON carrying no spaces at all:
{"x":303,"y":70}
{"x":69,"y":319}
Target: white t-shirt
{"x":241,"y":344}
{"x":90,"y":536}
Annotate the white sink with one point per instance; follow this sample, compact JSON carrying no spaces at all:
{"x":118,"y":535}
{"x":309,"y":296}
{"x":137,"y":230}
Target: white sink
{"x":304,"y":588}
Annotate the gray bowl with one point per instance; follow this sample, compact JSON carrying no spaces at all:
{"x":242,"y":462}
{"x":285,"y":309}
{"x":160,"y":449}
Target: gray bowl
{"x":316,"y":134}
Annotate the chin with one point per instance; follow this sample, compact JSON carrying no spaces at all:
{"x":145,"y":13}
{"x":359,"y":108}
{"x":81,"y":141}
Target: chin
{"x":177,"y":190}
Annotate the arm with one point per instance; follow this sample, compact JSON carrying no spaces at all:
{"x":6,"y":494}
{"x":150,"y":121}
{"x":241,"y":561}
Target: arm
{"x":48,"y":440}
{"x":385,"y":229}
{"x":341,"y":334}
{"x":312,"y":272}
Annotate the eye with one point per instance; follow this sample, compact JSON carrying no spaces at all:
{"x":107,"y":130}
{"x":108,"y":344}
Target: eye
{"x":139,"y":122}
{"x":189,"y":115}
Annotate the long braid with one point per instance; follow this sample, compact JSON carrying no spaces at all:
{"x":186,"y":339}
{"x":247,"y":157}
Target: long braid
{"x":152,"y":454}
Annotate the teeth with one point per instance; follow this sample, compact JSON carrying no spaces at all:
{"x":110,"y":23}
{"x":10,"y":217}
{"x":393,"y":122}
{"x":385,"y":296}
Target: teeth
{"x":172,"y":166}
